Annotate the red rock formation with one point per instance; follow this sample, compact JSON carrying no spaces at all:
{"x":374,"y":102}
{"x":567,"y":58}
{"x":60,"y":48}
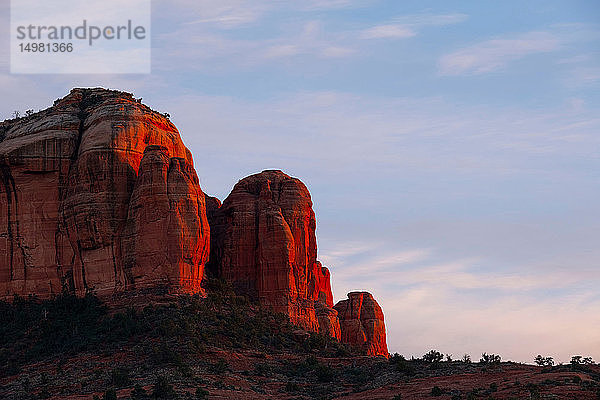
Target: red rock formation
{"x":361,"y":323}
{"x":328,"y":321}
{"x":98,"y":193}
{"x":73,"y":199}
{"x":264,"y":244}
{"x":165,"y":238}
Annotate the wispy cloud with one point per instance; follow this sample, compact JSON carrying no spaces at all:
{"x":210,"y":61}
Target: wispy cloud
{"x":215,"y":51}
{"x":312,"y":40}
{"x":416,"y":267}
{"x":408,"y":25}
{"x":495,"y":54}
{"x":311,"y":5}
{"x":229,"y":14}
{"x":388,"y":31}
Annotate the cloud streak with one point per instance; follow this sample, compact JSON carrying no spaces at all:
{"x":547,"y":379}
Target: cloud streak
{"x":492,"y":55}
{"x":409,"y":25}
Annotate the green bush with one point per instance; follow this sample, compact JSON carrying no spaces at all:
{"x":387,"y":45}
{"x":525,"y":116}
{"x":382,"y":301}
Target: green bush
{"x":401,"y":365}
{"x":163,"y":389}
{"x":433,"y":356}
{"x":436,"y":391}
{"x":110,"y":394}
{"x":544,"y":361}
{"x":263,"y":369}
{"x":292,"y":387}
{"x":201,"y":394}
{"x":324,"y":373}
{"x":490,"y":358}
{"x":139,"y":393}
{"x":120,"y":377}
{"x":220,"y":367}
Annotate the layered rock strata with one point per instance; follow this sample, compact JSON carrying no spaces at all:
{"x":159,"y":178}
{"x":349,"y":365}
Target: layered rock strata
{"x":99,"y":194}
{"x":264,"y":244}
{"x":362,"y":323}
{"x":76,"y":212}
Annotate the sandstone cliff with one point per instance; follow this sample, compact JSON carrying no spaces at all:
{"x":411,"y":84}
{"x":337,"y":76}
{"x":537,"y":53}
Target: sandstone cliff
{"x":80,"y":214}
{"x":264,"y":244}
{"x":99,"y":194}
{"x":361,"y":323}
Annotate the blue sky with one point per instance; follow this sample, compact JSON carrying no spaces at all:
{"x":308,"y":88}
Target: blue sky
{"x":451,"y":149}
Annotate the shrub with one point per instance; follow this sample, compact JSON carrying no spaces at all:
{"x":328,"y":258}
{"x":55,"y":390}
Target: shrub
{"x":201,"y":394}
{"x":396,"y":358}
{"x":110,"y":394}
{"x":466,"y":359}
{"x":163,"y":389}
{"x":436,"y":391}
{"x":401,"y":365}
{"x":165,"y":355}
{"x":544,"y":361}
{"x":534,"y":390}
{"x":139,"y":393}
{"x":324,"y":373}
{"x":433,"y":356}
{"x":220,"y":367}
{"x":263,"y":369}
{"x":490,"y":358}
{"x":120,"y":377}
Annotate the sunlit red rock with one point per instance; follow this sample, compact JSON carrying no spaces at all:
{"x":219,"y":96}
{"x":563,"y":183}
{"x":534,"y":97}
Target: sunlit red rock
{"x":99,"y":194}
{"x":68,"y":176}
{"x":264,"y":244}
{"x":165,"y":239}
{"x":362,"y":323}
{"x":328,"y":321}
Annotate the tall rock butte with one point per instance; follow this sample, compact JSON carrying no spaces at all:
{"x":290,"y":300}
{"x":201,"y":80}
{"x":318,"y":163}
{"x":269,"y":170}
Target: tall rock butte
{"x":264,"y":244}
{"x":361,"y":322}
{"x":98,"y":194}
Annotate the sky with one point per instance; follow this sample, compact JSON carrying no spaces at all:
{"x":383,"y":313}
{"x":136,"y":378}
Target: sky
{"x":451,"y":149}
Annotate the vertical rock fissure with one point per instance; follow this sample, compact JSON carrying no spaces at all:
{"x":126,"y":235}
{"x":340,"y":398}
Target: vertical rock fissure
{"x":82,"y":266}
{"x":82,"y":116}
{"x":10,"y":187}
{"x":114,"y":260}
{"x":259,"y":273}
{"x":6,"y":175}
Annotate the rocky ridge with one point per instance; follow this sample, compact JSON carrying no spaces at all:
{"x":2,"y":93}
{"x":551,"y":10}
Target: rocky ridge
{"x":99,"y":194}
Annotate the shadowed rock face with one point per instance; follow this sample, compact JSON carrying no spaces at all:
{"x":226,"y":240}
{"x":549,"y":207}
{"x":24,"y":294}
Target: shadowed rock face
{"x":264,"y":244}
{"x":85,"y":206}
{"x":361,"y":323}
